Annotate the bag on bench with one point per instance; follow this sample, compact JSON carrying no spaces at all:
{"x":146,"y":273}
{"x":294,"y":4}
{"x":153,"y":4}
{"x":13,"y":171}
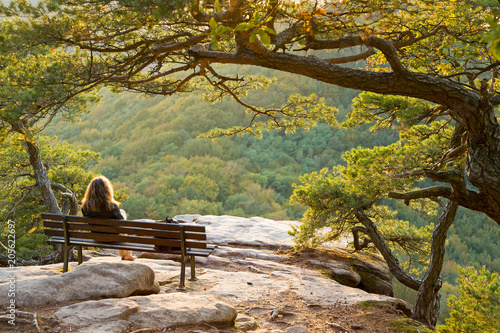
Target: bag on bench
{"x":168,"y":219}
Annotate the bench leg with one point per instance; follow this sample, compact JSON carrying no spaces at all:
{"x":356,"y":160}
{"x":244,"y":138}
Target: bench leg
{"x":193,"y":270}
{"x":65,"y":255}
{"x":183,"y":274}
{"x":80,"y":259}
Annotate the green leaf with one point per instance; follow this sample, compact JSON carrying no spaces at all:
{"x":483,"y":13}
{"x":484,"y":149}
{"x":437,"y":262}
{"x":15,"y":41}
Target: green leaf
{"x":213,"y":24}
{"x":243,"y":27}
{"x":264,"y":38}
{"x":217,"y":5}
{"x":270,"y":31}
{"x":256,"y":16}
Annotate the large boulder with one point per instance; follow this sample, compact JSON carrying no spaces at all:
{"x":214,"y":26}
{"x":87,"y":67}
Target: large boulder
{"x":107,"y":315}
{"x":163,"y":310}
{"x":85,"y":282}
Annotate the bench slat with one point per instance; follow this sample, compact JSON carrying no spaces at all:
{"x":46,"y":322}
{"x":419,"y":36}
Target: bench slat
{"x":124,"y":238}
{"x":126,"y":223}
{"x":128,"y":246}
{"x":72,"y":226}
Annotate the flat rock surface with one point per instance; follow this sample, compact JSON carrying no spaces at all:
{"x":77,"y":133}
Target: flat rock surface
{"x":254,"y":231}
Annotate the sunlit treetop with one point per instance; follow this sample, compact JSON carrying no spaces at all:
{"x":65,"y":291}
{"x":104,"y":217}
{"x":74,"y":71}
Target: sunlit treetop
{"x":139,"y":45}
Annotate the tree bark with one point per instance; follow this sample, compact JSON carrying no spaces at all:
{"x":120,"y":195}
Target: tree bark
{"x":41,"y":175}
{"x":427,"y":305}
{"x":386,"y":252}
{"x":355,"y":235}
{"x":43,"y":182}
{"x":483,"y":159}
{"x":70,"y":203}
{"x":426,"y":308}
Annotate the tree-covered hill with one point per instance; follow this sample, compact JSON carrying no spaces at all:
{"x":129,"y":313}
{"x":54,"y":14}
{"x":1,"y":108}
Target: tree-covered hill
{"x":151,"y":147}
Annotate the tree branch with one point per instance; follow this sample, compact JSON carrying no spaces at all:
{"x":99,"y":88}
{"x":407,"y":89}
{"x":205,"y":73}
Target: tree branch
{"x":450,"y":177}
{"x":389,"y":51}
{"x":387,"y":48}
{"x":347,"y":59}
{"x":495,"y":100}
{"x":286,"y":36}
{"x":386,"y":252}
{"x":458,"y":191}
{"x":355,"y":235}
{"x":429,"y":192}
{"x":415,"y":84}
{"x":71,"y":203}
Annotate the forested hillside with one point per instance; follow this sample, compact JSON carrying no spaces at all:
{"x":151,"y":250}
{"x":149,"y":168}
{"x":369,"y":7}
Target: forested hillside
{"x":151,"y":147}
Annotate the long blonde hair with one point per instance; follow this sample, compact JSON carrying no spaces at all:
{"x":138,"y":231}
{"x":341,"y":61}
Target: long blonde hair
{"x":99,"y":196}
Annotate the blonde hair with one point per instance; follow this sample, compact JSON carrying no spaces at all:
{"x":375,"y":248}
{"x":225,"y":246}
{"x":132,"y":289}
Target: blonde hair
{"x":99,"y":196}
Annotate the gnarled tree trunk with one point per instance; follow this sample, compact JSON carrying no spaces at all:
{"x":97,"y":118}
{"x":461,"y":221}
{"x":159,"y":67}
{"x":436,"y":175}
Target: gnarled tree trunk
{"x":427,"y":305}
{"x":41,"y":176}
{"x":43,"y":183}
{"x":426,"y":308}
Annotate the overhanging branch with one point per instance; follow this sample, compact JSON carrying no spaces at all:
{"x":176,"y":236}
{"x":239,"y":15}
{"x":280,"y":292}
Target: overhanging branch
{"x":429,"y":192}
{"x":71,"y":203}
{"x":347,"y":59}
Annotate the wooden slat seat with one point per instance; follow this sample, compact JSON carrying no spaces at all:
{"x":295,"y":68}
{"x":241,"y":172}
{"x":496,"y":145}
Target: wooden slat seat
{"x":186,"y":240}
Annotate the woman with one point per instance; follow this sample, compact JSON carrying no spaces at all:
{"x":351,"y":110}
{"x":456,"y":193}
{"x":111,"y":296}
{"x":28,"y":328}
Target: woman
{"x":99,"y":203}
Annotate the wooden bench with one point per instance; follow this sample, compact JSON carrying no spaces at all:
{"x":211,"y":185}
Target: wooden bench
{"x":186,"y":240}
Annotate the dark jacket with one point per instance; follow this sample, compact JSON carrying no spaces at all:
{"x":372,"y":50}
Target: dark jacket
{"x":106,"y":214}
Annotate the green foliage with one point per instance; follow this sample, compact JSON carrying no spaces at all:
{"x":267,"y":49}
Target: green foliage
{"x":477,"y":309}
{"x":384,"y":111}
{"x":410,"y":326}
{"x":39,"y":84}
{"x":300,"y":112}
{"x":493,"y":36}
{"x":20,"y":200}
{"x":218,"y":32}
{"x":332,"y":197}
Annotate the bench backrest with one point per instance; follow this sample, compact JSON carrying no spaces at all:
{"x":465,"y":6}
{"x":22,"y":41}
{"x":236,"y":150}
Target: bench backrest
{"x":125,"y":231}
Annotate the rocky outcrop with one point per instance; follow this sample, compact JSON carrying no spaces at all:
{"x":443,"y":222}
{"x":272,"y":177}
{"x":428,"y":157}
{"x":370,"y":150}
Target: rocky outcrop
{"x":254,"y":231}
{"x":164,"y":310}
{"x":243,"y":272}
{"x":358,"y":270}
{"x":375,"y":275}
{"x":92,"y":280}
{"x":365,"y":271}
